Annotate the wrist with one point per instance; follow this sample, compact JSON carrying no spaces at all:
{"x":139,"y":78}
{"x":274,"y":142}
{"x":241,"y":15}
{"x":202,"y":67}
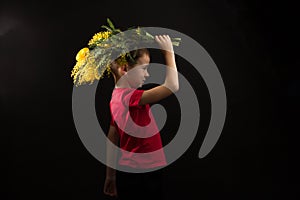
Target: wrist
{"x":110,"y":173}
{"x":169,"y":53}
{"x":111,"y":177}
{"x":170,"y":60}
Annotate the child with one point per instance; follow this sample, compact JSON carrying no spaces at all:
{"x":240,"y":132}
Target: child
{"x":128,"y":102}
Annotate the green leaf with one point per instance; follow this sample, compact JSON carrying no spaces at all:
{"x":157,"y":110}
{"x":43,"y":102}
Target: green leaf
{"x":175,"y":43}
{"x":149,"y":35}
{"x":110,"y":24}
{"x":131,"y":58}
{"x":177,"y":39}
{"x":134,"y":54}
{"x":92,"y":46}
{"x":106,"y":27}
{"x":117,"y":30}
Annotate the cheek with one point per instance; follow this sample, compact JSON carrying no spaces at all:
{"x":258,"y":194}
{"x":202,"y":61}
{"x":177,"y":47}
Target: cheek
{"x":137,"y":73}
{"x":133,"y":78}
{"x":132,"y":75}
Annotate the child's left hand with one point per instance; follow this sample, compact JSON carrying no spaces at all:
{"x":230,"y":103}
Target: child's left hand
{"x":110,"y":187}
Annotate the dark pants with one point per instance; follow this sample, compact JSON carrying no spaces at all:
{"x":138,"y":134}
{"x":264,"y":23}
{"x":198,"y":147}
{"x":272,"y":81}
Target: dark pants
{"x":141,"y":186}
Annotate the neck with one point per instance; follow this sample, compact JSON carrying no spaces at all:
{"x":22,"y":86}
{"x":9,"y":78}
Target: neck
{"x":121,"y":82}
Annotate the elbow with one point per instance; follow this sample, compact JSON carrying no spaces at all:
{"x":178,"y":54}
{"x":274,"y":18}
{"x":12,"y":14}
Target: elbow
{"x":172,"y":87}
{"x":175,"y":88}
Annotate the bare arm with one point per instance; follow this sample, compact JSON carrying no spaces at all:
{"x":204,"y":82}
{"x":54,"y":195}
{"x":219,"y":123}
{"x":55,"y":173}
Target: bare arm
{"x":111,"y":158}
{"x":111,"y":155}
{"x":171,"y":84}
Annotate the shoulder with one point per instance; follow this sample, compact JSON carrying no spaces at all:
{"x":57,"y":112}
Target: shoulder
{"x":129,"y":96}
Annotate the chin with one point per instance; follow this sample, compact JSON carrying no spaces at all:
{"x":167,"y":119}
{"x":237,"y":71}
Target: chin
{"x":136,"y":86}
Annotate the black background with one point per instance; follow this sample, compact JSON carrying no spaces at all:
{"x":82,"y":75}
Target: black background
{"x":253,"y":43}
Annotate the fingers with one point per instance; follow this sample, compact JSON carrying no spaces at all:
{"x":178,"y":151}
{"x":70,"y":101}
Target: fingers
{"x":164,"y":41}
{"x":110,"y":189}
{"x":159,"y":38}
{"x":111,"y":192}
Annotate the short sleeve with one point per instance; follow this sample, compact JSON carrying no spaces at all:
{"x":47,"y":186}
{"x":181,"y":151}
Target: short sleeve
{"x":135,"y":98}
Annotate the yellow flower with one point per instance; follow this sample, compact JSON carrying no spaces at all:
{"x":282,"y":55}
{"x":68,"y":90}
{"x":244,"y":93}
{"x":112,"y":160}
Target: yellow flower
{"x":75,"y":69}
{"x":91,"y":60}
{"x":122,"y":60}
{"x":96,"y":74}
{"x":89,"y":75}
{"x":82,"y":54}
{"x":100,"y":36}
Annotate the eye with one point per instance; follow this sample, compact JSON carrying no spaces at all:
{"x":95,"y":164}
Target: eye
{"x":145,"y":67}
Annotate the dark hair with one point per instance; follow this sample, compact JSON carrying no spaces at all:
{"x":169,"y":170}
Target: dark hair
{"x":135,"y":55}
{"x":132,"y":58}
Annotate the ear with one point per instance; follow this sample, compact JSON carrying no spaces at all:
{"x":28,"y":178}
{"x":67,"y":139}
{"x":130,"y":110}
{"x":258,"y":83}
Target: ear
{"x":122,"y":69}
{"x":125,"y":67}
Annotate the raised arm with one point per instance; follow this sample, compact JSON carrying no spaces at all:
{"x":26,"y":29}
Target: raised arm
{"x":171,"y":84}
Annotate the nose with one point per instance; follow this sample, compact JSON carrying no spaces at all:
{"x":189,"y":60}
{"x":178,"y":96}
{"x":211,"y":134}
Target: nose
{"x":146,"y":74}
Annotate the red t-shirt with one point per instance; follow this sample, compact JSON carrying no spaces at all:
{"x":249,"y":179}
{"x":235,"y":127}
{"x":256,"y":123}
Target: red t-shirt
{"x":140,"y":140}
